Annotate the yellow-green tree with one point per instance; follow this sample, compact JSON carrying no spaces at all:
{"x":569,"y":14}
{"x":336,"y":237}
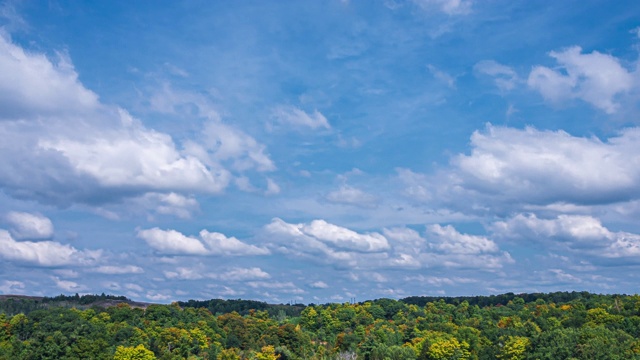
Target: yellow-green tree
{"x":514,"y":348}
{"x":133,"y":353}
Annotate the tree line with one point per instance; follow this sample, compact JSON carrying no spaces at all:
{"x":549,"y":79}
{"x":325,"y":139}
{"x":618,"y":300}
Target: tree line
{"x":576,"y":325}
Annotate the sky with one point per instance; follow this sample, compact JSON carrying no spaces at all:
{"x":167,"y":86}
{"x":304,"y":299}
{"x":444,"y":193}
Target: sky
{"x":319,"y":151}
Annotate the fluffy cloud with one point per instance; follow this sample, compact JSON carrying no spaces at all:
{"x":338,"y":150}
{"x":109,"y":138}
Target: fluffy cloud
{"x":578,"y":233}
{"x":29,"y":226}
{"x":449,"y":240}
{"x":30,"y":84}
{"x":210,"y":243}
{"x":44,"y":253}
{"x":292,"y":116}
{"x":595,"y":78}
{"x":62,"y":146}
{"x":331,"y":234}
{"x":545,"y":167}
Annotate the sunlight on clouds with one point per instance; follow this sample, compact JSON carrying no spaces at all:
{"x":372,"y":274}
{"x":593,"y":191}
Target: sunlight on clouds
{"x":595,"y":78}
{"x":172,"y":242}
{"x":29,"y":226}
{"x":44,"y":253}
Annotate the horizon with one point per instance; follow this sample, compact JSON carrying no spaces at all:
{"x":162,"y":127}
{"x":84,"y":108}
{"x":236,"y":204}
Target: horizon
{"x":319,"y":151}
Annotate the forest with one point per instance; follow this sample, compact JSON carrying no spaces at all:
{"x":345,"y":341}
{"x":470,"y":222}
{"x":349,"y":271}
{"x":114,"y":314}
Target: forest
{"x":562,"y":325}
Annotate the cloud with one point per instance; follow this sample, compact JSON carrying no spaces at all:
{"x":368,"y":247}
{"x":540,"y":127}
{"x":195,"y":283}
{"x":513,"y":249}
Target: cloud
{"x":68,"y":286}
{"x":292,"y":116}
{"x":182,"y":273}
{"x":326,"y":242}
{"x":29,"y":226}
{"x":505,"y":77}
{"x":272,"y":187}
{"x":348,"y":195}
{"x":44,"y":253}
{"x":62,"y":146}
{"x":442,"y":76}
{"x":118,"y":270}
{"x":172,"y":242}
{"x":12,"y":287}
{"x":30,"y":84}
{"x":578,"y":233}
{"x":544,"y":167}
{"x":595,"y":78}
{"x":224,"y":143}
{"x":242,"y":274}
{"x":319,"y":285}
{"x":449,"y":240}
{"x":449,"y":7}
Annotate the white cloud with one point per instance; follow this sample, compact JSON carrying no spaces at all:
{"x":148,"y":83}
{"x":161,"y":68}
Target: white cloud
{"x":322,"y":241}
{"x":210,"y":243}
{"x":12,"y":287}
{"x":578,"y":233}
{"x":319,"y":285}
{"x":172,"y":242}
{"x":225,"y":143}
{"x":292,"y":116}
{"x":29,"y":226}
{"x":449,"y":240}
{"x":349,"y":195}
{"x":68,"y":286}
{"x":595,"y":78}
{"x":182,"y":273}
{"x":545,"y":167}
{"x":62,"y":146}
{"x":118,"y":270}
{"x":505,"y":77}
{"x":242,"y":274}
{"x":44,"y":253}
{"x":219,"y":244}
{"x":344,"y":238}
{"x":31,"y":84}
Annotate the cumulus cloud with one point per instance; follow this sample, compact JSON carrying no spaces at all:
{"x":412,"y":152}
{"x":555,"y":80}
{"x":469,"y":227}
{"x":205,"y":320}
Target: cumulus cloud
{"x":62,"y":146}
{"x":349,"y":195}
{"x":44,"y":253}
{"x":449,"y":240}
{"x":29,"y":226}
{"x":595,"y":78}
{"x":504,"y":77}
{"x":450,"y":248}
{"x":579,"y":233}
{"x":30,"y":84}
{"x":326,"y":242}
{"x":172,"y":242}
{"x":546,"y":167}
{"x":292,"y":116}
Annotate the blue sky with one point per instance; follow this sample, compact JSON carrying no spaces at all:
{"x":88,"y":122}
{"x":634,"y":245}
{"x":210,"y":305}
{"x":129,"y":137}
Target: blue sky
{"x":319,"y":151}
